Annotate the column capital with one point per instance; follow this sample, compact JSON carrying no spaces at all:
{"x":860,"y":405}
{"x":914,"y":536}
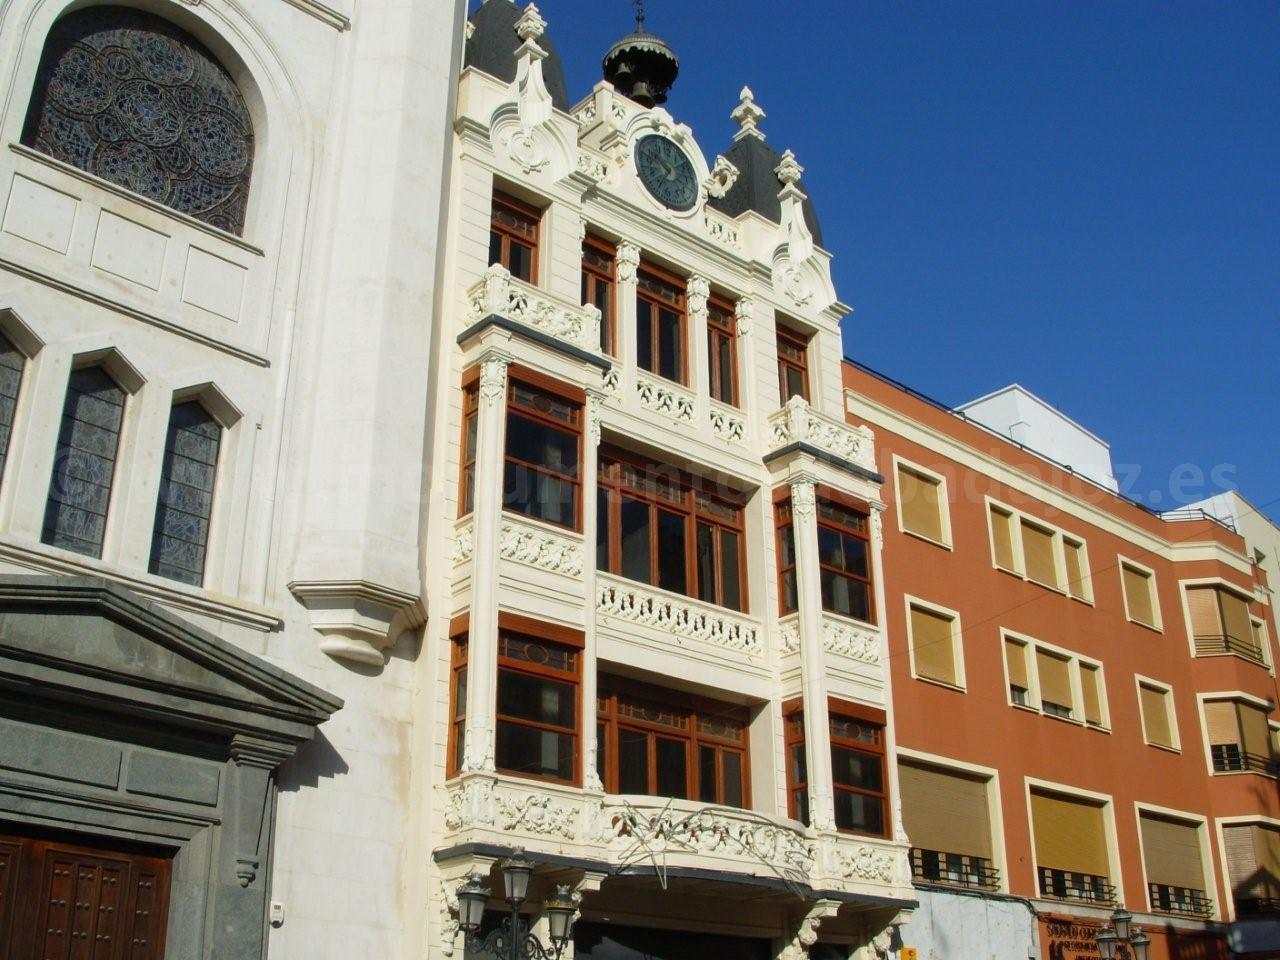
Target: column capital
{"x":744,"y":314}
{"x":697,"y":290}
{"x":628,"y":259}
{"x":493,"y":375}
{"x":803,"y":498}
{"x":595,"y":400}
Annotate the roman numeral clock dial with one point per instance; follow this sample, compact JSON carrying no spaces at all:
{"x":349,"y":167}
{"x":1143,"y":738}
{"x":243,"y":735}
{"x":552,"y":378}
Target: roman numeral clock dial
{"x":666,"y":172}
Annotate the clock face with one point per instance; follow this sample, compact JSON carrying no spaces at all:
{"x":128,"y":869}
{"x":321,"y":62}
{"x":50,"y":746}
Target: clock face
{"x":666,"y":172}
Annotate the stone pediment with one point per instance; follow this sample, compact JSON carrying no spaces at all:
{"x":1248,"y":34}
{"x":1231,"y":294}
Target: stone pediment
{"x":89,"y":640}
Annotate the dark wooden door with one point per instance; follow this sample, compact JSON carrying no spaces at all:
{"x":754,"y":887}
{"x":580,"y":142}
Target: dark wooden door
{"x":69,"y":902}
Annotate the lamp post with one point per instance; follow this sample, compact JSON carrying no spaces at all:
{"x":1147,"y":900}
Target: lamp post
{"x":1122,"y":933}
{"x":513,"y":940}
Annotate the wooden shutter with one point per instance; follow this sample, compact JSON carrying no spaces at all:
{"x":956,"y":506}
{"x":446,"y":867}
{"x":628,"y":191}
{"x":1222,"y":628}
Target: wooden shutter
{"x":1002,"y":538}
{"x":1259,"y":635}
{"x":1171,"y":852}
{"x":933,"y":645}
{"x":921,"y":505}
{"x":1090,"y":688}
{"x":1220,"y":722}
{"x":1242,"y":861}
{"x":1235,"y":617}
{"x":1037,"y":546}
{"x":1266,"y":845}
{"x":1254,"y":730}
{"x":1055,"y":679}
{"x":1155,"y":715}
{"x":1202,"y":602}
{"x":1137,"y":595}
{"x":1015,"y":657}
{"x":1076,"y":572}
{"x":945,"y":811}
{"x":1069,"y":835}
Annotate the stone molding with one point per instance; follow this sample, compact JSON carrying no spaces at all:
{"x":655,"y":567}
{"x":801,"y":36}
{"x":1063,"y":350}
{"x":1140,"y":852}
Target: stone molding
{"x":501,"y":294}
{"x":677,"y":616}
{"x":799,"y":423}
{"x":359,"y":620}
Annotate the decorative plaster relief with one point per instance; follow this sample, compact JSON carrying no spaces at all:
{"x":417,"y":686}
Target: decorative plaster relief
{"x":634,"y":602}
{"x":628,"y":260}
{"x":797,"y":422}
{"x":464,"y":543}
{"x":537,"y":813}
{"x":721,"y":230}
{"x":727,"y":425}
{"x":848,"y":640}
{"x":671,"y":401}
{"x":499,"y":293}
{"x":540,"y":549}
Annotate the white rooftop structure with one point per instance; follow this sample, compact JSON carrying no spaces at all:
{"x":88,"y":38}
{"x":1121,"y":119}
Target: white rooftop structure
{"x":1017,"y":413}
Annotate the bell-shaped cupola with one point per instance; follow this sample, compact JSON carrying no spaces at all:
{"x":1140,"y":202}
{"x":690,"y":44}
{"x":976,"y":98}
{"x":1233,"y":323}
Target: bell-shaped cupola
{"x":641,"y":66}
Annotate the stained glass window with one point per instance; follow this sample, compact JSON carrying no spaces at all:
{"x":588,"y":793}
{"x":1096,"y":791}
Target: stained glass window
{"x":181,"y":536}
{"x":130,"y":98}
{"x":11,"y":364}
{"x":75,"y":517}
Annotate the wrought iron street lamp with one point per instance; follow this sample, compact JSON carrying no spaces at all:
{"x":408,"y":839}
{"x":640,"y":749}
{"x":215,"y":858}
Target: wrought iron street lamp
{"x":1122,"y":933}
{"x":513,"y":940}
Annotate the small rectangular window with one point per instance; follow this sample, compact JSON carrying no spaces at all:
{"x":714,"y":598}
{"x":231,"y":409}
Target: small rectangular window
{"x":1015,"y":657}
{"x":947,"y":816}
{"x":84,"y":464}
{"x":1139,"y":595}
{"x":793,"y":365}
{"x":513,"y":236}
{"x":933,"y":639}
{"x":1156,"y":706}
{"x":844,"y":562}
{"x":1077,"y":568}
{"x":467,"y":457}
{"x":1002,"y":538}
{"x":1054,"y":673}
{"x":797,"y":766}
{"x":537,"y":719}
{"x":181,"y":535}
{"x":660,"y":325}
{"x":599,"y":287}
{"x":1174,"y":868}
{"x":921,"y":505}
{"x":1220,"y":623}
{"x":1093,"y":695}
{"x":1253,"y":867}
{"x":858,"y":774}
{"x":1037,"y":547}
{"x":722,"y":351}
{"x":1239,"y":736}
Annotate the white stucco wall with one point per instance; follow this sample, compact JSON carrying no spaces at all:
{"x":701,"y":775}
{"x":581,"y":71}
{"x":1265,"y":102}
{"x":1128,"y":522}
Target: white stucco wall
{"x":949,"y":926}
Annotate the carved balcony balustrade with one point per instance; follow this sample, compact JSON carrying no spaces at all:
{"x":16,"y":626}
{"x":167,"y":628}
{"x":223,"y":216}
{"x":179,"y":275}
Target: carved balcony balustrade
{"x":502,"y":295}
{"x":798,"y":424}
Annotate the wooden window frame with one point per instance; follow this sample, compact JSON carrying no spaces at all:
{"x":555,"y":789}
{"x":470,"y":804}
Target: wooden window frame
{"x":874,"y":718}
{"x":466,"y":455}
{"x":530,"y":380}
{"x":574,"y":678}
{"x":792,"y":737}
{"x":722,"y":324}
{"x":680,"y":307}
{"x":593,"y":274}
{"x":1081,"y":590}
{"x":784,"y":526}
{"x":800,"y":342}
{"x":521,"y":209}
{"x":457,"y":705}
{"x":825,"y":495}
{"x":612,"y":488}
{"x":692,"y":708}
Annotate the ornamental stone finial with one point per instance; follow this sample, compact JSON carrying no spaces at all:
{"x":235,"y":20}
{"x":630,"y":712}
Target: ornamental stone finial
{"x":530,"y":26}
{"x":789,"y":170}
{"x":747,"y":114}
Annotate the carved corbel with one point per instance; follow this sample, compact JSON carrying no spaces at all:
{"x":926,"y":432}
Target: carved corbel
{"x":806,"y":934}
{"x":723,"y":176}
{"x":253,"y":760}
{"x":359,"y":620}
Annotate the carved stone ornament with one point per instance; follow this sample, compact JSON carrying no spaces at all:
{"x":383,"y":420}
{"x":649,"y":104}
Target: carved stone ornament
{"x":744,"y":312}
{"x":530,"y":26}
{"x":747,"y":115}
{"x":449,"y":923}
{"x":668,"y":400}
{"x":867,"y":863}
{"x":493,"y":378}
{"x":629,"y":601}
{"x":358,"y":620}
{"x":727,"y":425}
{"x":498,"y":294}
{"x":595,"y":416}
{"x":471,"y":803}
{"x":789,"y":636}
{"x":628,"y":260}
{"x":541,"y":549}
{"x":697,"y":292}
{"x":847,"y":640}
{"x":537,"y":813}
{"x":478,"y":755}
{"x":803,"y":499}
{"x":464,"y":543}
{"x":789,"y":170}
{"x":723,"y":176}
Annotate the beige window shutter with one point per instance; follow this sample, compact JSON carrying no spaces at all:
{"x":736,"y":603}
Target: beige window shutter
{"x":1037,"y":545}
{"x":1171,"y":852}
{"x":1076,"y":573}
{"x":1055,"y":679}
{"x":1220,"y":722}
{"x":1002,"y":538}
{"x":1090,"y":687}
{"x":1205,"y":619}
{"x":1137,"y":592}
{"x":1015,"y":656}
{"x":1069,"y":835}
{"x":945,"y":811}
{"x":1235,"y":617}
{"x":1254,"y":729}
{"x":1155,"y":715}
{"x":933,"y":646}
{"x":1242,"y":860}
{"x":921,"y":504}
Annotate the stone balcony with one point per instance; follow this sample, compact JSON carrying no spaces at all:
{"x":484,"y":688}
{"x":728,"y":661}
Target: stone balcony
{"x":620,"y":832}
{"x":854,"y":653}
{"x":502,"y":295}
{"x":798,"y":425}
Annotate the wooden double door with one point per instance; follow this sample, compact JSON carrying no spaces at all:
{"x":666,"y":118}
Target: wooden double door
{"x":66,"y":901}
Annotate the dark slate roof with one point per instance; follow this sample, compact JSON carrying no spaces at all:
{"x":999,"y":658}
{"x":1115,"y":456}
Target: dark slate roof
{"x":494,"y":42}
{"x":758,"y":186}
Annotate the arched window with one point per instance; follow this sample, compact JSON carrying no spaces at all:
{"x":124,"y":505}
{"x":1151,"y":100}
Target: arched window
{"x":132,"y":99}
{"x":181,"y":537}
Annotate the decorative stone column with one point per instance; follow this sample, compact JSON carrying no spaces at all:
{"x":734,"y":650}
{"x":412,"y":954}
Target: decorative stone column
{"x":697,"y":290}
{"x":890,"y":732}
{"x":628,"y":262}
{"x":744,"y":314}
{"x":813,"y":681}
{"x":590,"y":497}
{"x":482,"y":634}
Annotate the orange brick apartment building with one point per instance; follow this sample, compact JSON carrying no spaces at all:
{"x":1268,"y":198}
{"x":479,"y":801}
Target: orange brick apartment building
{"x":1085,"y":698}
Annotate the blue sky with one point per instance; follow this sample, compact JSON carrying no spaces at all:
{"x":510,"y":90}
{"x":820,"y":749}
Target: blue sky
{"x":1080,"y":196}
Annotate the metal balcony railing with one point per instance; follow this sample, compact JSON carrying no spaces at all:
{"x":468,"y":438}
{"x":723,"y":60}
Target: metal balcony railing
{"x":1068,"y":885}
{"x":953,"y":869}
{"x":1257,"y":906}
{"x":1232,"y":758}
{"x":1209,"y":646}
{"x":1183,"y":901}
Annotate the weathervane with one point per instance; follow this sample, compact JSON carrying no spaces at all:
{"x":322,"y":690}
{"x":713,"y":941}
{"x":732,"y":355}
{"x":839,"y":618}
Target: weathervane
{"x":639,"y":16}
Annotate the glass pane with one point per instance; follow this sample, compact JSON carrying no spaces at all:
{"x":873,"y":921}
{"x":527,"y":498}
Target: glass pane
{"x":802,"y":806}
{"x":706,"y":550}
{"x":644,"y":334}
{"x":602,"y":759}
{"x":542,"y":495}
{"x":857,"y":812}
{"x":707,"y":774}
{"x":845,"y":596}
{"x":671,"y":555}
{"x":11,"y":365}
{"x":633,"y":761}
{"x":787,"y":546}
{"x":730,"y":571}
{"x":527,"y":697}
{"x":602,"y":529}
{"x":459,"y":743}
{"x":669,"y":346}
{"x":542,"y":753}
{"x":722,"y":357}
{"x":557,"y":656}
{"x":799,"y":763}
{"x":731,"y":762}
{"x":181,"y":531}
{"x":521,"y":265}
{"x":789,"y":591}
{"x":673,"y":774}
{"x":794,"y":380}
{"x":495,"y":247}
{"x":850,"y":768}
{"x":636,"y":554}
{"x":460,"y":704}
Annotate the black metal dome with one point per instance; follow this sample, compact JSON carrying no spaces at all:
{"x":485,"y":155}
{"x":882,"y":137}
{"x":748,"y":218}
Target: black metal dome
{"x":641,"y":66}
